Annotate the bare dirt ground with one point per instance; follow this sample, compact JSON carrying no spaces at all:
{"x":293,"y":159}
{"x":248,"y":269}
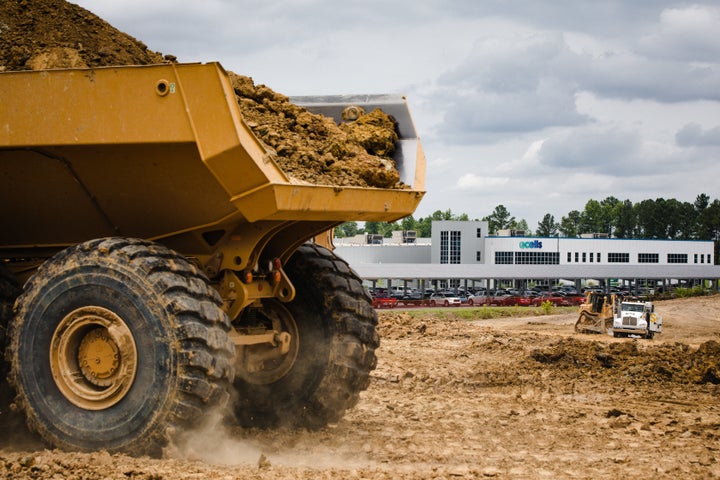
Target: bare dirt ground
{"x":512,"y":398}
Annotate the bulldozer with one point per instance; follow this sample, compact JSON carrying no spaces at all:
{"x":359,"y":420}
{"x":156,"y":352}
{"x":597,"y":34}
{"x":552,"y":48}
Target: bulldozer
{"x":157,"y":262}
{"x":596,"y":313}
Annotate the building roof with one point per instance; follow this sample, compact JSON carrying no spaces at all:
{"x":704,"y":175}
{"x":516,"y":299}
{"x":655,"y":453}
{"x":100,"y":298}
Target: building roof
{"x":372,"y":271}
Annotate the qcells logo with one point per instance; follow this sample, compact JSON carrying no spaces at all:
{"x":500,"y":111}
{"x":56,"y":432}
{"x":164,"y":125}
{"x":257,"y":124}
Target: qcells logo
{"x":533,"y":244}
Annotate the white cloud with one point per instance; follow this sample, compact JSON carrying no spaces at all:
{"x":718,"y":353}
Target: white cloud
{"x":687,"y":34}
{"x":472,"y":181}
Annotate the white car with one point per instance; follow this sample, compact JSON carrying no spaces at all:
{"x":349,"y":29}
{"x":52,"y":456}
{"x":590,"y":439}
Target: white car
{"x":444,"y":299}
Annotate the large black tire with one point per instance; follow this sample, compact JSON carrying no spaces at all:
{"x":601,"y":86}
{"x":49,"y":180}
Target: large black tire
{"x":117,"y":344}
{"x":335,"y":335}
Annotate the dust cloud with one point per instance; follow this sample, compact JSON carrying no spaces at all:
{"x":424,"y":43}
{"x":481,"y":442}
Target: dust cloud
{"x":212,"y":442}
{"x":218,"y":442}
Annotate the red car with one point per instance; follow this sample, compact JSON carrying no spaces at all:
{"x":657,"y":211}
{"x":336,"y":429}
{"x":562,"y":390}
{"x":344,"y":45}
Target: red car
{"x":384,"y":302}
{"x":513,"y":300}
{"x":557,"y":300}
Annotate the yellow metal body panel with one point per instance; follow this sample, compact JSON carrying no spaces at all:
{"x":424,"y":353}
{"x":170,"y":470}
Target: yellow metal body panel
{"x":160,"y":152}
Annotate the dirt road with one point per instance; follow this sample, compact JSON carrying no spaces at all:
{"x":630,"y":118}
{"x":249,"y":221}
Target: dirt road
{"x":512,"y":398}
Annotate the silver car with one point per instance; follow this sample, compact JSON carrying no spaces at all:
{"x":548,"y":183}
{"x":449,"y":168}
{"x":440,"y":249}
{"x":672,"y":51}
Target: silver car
{"x":444,"y":299}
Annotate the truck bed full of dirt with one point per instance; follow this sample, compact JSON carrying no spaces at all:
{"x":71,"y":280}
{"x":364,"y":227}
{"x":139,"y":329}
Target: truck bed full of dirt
{"x":49,"y":34}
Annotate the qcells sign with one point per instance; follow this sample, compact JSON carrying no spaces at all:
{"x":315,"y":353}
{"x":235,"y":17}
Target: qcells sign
{"x":531,"y":244}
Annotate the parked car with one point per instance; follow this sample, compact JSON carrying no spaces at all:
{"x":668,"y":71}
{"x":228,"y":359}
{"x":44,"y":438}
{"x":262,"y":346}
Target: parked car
{"x":445,"y":299}
{"x":512,"y":300}
{"x":478,"y":299}
{"x":497,"y":297}
{"x":412,"y":294}
{"x":384,"y":301}
{"x":557,"y":300}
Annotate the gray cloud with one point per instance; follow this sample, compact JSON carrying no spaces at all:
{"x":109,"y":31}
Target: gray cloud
{"x":693,"y":135}
{"x":510,"y":87}
{"x":609,"y":150}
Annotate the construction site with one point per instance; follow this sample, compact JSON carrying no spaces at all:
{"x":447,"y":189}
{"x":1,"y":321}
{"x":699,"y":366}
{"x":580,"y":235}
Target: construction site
{"x":169,"y":308}
{"x":523,"y":397}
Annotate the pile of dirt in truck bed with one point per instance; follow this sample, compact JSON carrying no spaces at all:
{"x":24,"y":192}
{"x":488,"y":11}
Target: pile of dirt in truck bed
{"x":47,"y":34}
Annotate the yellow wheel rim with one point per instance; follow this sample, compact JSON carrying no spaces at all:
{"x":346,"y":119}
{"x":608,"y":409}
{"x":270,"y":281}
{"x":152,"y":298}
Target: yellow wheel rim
{"x":93,"y":358}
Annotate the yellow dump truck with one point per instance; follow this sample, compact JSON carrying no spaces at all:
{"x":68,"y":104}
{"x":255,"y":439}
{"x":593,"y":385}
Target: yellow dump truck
{"x":156,"y":260}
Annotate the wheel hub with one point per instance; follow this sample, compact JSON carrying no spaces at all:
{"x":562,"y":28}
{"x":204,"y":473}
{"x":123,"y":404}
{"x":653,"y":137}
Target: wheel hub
{"x":99,"y":357}
{"x":93,"y":358}
{"x":267,"y":362}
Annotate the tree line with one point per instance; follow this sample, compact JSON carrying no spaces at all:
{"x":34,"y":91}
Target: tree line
{"x":667,"y":219}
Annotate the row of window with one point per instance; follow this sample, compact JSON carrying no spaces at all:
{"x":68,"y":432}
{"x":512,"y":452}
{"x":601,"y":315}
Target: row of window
{"x":553,"y":258}
{"x":450,"y":246}
{"x":585,"y":257}
{"x":527,"y":258}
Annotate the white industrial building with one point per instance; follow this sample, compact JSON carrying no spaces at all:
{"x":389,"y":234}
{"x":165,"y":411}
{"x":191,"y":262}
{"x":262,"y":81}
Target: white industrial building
{"x":462,"y":251}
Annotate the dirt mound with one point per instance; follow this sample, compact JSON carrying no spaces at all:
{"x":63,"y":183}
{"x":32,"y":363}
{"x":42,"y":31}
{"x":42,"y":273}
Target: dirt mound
{"x":47,"y":34}
{"x":39,"y":34}
{"x":674,"y":362}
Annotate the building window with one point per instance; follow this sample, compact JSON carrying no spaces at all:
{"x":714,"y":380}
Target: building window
{"x":444,"y":247}
{"x":648,"y":258}
{"x":537,"y":258}
{"x":708,"y":258}
{"x":695,"y":258}
{"x":504,"y":258}
{"x":455,"y":246}
{"x":569,"y":257}
{"x":577,"y":257}
{"x":618,"y":257}
{"x":591,"y":257}
{"x":478,"y":256}
{"x":677,"y":258}
{"x":584,"y":256}
{"x":479,"y":233}
{"x":598,"y":257}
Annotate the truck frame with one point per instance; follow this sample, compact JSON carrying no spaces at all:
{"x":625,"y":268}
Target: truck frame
{"x":156,"y":260}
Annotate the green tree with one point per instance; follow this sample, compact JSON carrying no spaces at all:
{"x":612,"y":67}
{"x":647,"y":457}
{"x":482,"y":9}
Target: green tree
{"x":522,"y":225}
{"x":386,"y":229}
{"x":372,"y":227}
{"x":704,"y":228}
{"x":500,"y":219}
{"x":625,"y":220}
{"x":547,"y":227}
{"x":347,"y":229}
{"x":408,"y":223}
{"x":650,"y":218}
{"x":570,"y":225}
{"x":596,"y":218}
{"x":424,"y":227}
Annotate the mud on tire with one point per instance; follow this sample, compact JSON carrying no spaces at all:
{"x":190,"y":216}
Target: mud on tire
{"x":9,"y":290}
{"x":96,"y":300}
{"x":337,"y":341}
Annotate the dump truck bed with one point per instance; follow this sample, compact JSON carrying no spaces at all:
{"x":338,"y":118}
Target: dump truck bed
{"x":162,"y":152}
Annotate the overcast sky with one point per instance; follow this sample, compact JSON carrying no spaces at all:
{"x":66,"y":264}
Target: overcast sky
{"x":535,"y":105}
